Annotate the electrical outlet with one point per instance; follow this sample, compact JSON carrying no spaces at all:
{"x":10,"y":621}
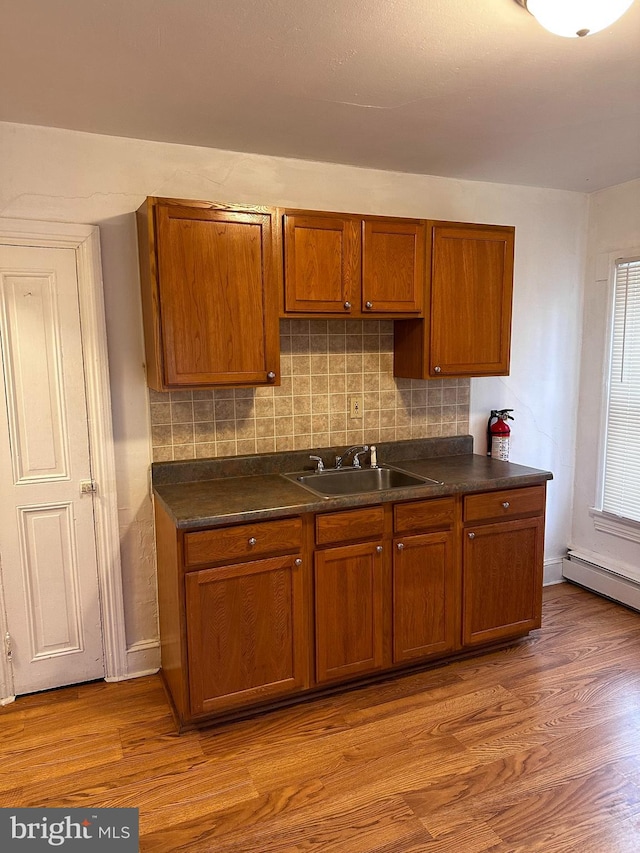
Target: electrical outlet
{"x":355,"y":407}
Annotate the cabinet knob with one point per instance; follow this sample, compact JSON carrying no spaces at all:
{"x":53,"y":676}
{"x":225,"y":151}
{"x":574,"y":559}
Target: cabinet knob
{"x":253,"y":540}
{"x":506,"y":504}
{"x":298,"y":561}
{"x":400,"y":546}
{"x":437,"y":369}
{"x":271,"y":376}
{"x":472,"y":535}
{"x":379,"y":549}
{"x":368,"y":304}
{"x":347,"y":306}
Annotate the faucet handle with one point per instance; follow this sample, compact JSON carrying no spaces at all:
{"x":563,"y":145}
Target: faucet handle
{"x":320,"y":463}
{"x":357,"y":450}
{"x":358,"y":454}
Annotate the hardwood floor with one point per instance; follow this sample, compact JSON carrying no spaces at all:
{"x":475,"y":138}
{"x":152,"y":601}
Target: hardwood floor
{"x":533,"y":748}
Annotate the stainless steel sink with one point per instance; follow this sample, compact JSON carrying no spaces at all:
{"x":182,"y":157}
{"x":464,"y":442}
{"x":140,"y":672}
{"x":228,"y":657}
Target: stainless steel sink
{"x":356,"y":481}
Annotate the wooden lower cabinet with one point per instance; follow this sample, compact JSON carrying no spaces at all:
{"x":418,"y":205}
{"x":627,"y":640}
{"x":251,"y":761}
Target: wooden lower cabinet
{"x":352,"y":593}
{"x":234,"y":615}
{"x":245,"y":633}
{"x":349,"y":610}
{"x":502,"y":564}
{"x":502,"y":580}
{"x":426,"y":596}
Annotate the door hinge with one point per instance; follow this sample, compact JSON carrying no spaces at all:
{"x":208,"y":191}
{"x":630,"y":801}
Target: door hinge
{"x":8,"y":648}
{"x":88,"y":487}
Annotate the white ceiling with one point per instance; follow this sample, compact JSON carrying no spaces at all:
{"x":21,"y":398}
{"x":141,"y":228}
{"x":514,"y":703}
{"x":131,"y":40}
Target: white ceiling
{"x":471,"y":89}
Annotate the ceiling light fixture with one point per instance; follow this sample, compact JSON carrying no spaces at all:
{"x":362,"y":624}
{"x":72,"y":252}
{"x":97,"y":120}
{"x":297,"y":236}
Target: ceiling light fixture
{"x":571,"y":18}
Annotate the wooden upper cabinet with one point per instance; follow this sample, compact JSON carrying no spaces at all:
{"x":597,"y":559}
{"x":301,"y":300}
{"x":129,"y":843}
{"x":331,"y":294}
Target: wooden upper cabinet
{"x":393,"y":266}
{"x":471,"y":285}
{"x":322,"y":264}
{"x":471,"y":290}
{"x":209,"y":283}
{"x":349,"y":265}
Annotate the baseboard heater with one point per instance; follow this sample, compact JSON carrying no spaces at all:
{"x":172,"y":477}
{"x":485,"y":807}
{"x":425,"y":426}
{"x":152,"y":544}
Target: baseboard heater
{"x":614,"y":581}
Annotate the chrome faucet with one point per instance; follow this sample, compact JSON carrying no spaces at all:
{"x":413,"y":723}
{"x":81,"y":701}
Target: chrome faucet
{"x":319,"y":463}
{"x":357,"y":450}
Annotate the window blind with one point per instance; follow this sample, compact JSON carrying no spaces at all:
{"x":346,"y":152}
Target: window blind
{"x":621,"y":491}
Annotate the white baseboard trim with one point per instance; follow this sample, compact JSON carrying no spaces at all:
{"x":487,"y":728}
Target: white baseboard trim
{"x":143,"y":658}
{"x":7,"y":700}
{"x":598,"y":579}
{"x":552,"y":571}
{"x":131,"y":675}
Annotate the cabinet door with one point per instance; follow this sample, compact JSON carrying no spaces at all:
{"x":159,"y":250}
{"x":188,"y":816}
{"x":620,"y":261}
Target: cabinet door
{"x":218,"y":303}
{"x":426,"y":596}
{"x":502,"y":580}
{"x":349,"y":591}
{"x":322,"y":264}
{"x":393,"y":266}
{"x":245,"y":633}
{"x":471,"y":290}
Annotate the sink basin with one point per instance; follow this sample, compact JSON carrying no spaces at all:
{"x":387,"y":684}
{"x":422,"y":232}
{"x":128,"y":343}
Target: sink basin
{"x":356,"y":481}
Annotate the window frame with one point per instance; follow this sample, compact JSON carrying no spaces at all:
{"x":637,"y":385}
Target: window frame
{"x":604,"y":521}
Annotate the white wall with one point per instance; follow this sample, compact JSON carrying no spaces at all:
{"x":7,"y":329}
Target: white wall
{"x":62,"y":175}
{"x":614,"y":227}
{"x":543,"y":382}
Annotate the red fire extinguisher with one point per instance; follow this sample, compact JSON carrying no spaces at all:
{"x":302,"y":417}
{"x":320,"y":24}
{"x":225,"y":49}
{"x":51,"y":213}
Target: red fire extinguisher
{"x":498,"y":434}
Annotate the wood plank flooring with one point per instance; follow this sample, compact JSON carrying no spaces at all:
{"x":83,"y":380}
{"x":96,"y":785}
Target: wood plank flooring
{"x":533,"y":748}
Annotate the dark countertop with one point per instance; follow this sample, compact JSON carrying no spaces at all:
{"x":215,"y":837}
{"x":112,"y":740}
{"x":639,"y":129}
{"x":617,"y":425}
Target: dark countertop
{"x":223,"y":497}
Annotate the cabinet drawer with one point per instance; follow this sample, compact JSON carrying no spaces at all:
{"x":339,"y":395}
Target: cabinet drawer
{"x":509,"y":503}
{"x":349,"y":525}
{"x":423,"y":515}
{"x":242,"y":542}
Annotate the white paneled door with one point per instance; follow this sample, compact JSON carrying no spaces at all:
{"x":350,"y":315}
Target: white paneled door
{"x":48,"y":560}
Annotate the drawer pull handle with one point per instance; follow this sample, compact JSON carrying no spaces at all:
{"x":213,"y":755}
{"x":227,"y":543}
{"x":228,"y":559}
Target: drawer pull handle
{"x":298,"y":561}
{"x":437,"y":369}
{"x":379,"y":549}
{"x":400,"y":546}
{"x":271,"y":376}
{"x":253,"y":541}
{"x":368,"y":305}
{"x":506,"y":504}
{"x":347,"y":306}
{"x":472,"y":536}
